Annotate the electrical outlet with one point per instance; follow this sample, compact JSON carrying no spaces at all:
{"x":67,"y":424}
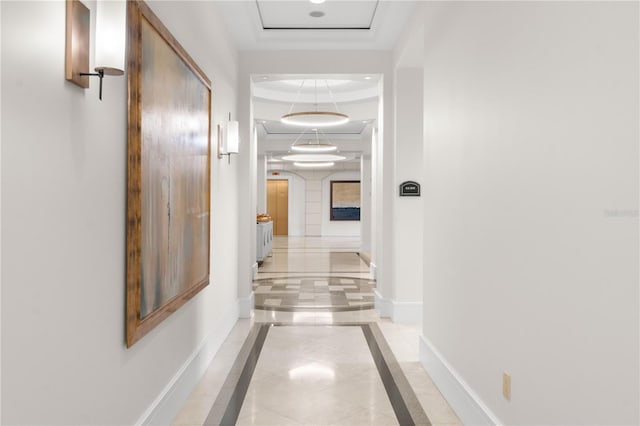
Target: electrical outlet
{"x":506,"y":386}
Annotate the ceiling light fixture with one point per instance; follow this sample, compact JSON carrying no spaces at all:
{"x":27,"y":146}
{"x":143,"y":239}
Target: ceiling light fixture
{"x":314,"y":148}
{"x":317,"y":1}
{"x":303,"y":158}
{"x":310,"y":164}
{"x":313,"y":145}
{"x":315,"y":118}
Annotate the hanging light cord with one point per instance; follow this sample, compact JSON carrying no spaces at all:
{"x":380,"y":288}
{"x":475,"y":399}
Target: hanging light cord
{"x":331,"y":96}
{"x":327,"y":138}
{"x":297,"y":97}
{"x":333,"y":100}
{"x":299,"y":136}
{"x":329,"y":141}
{"x":315,"y":83}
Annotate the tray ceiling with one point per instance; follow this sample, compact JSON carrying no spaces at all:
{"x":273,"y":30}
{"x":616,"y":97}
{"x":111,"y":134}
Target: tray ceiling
{"x":304,"y":15}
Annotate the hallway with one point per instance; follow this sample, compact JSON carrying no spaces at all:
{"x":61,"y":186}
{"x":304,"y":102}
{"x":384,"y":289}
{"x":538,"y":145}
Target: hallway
{"x":316,"y":352}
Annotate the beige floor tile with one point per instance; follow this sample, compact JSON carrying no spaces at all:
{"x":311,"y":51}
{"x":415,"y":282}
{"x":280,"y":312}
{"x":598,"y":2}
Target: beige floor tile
{"x":317,"y":374}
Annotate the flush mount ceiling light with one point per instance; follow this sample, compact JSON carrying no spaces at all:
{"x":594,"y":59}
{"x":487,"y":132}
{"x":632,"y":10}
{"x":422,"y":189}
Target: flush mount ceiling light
{"x":314,"y":164}
{"x":317,"y":1}
{"x":315,"y":118}
{"x":313,"y":145}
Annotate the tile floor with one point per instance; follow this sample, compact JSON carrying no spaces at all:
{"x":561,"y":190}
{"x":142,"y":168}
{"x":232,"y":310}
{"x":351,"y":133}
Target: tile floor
{"x":315,"y":365}
{"x":308,"y":255}
{"x":313,"y":293}
{"x":314,"y":380}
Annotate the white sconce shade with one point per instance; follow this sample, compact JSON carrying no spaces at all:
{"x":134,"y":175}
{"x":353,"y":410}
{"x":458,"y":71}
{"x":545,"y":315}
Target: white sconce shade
{"x":232,"y":138}
{"x":111,"y":31}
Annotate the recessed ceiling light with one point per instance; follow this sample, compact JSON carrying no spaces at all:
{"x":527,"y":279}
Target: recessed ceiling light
{"x":317,"y":1}
{"x":317,"y":14}
{"x":367,"y":77}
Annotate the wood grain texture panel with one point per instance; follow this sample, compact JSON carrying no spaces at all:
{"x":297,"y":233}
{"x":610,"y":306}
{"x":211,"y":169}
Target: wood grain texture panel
{"x":77,"y":42}
{"x":137,"y":324}
{"x":278,"y":205}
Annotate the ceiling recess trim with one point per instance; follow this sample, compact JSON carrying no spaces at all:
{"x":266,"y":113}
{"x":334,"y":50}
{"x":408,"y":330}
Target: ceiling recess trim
{"x":312,"y":28}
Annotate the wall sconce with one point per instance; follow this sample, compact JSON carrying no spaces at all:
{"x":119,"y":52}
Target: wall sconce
{"x":228,"y":139}
{"x":111,"y":16}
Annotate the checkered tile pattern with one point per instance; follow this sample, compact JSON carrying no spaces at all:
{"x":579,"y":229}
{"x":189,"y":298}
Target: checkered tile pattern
{"x":314,"y":293}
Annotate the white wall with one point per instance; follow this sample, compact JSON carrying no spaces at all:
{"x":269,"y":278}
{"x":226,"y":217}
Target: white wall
{"x":261,"y":182}
{"x":64,"y":157}
{"x":0,"y":223}
{"x":365,"y":202}
{"x":531,"y":225}
{"x":313,"y":201}
{"x":408,"y":211}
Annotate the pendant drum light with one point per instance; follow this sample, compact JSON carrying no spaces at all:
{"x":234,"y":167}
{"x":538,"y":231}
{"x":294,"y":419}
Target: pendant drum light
{"x":315,"y":118}
{"x":313,"y":145}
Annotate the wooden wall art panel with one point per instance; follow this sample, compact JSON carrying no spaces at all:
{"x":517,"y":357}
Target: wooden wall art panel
{"x":169,"y":158}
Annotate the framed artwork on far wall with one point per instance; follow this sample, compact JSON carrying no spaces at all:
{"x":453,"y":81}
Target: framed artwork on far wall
{"x":168,"y":183}
{"x":345,"y":200}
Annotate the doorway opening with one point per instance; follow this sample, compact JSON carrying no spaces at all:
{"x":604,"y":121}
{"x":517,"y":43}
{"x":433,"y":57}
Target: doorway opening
{"x":315,"y":257}
{"x":278,"y":205}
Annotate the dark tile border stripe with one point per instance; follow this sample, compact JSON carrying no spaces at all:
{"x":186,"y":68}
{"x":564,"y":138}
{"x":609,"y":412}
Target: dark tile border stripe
{"x":226,"y":408}
{"x":403,"y":399}
{"x":228,"y":404}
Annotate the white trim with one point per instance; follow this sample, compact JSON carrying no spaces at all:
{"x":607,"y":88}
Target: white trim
{"x":254,"y":269}
{"x":464,"y":401}
{"x":167,"y":405}
{"x":406,"y":312}
{"x":373,"y":270}
{"x":245,"y":306}
{"x":383,"y":306}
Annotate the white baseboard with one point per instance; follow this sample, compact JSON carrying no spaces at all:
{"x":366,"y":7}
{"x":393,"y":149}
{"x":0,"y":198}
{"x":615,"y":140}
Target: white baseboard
{"x":464,"y":401}
{"x":406,"y":312}
{"x":245,"y":306}
{"x":167,"y":405}
{"x":383,"y":306}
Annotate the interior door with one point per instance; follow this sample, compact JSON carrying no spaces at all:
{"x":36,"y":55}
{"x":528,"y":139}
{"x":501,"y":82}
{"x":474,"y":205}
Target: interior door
{"x":278,"y":205}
